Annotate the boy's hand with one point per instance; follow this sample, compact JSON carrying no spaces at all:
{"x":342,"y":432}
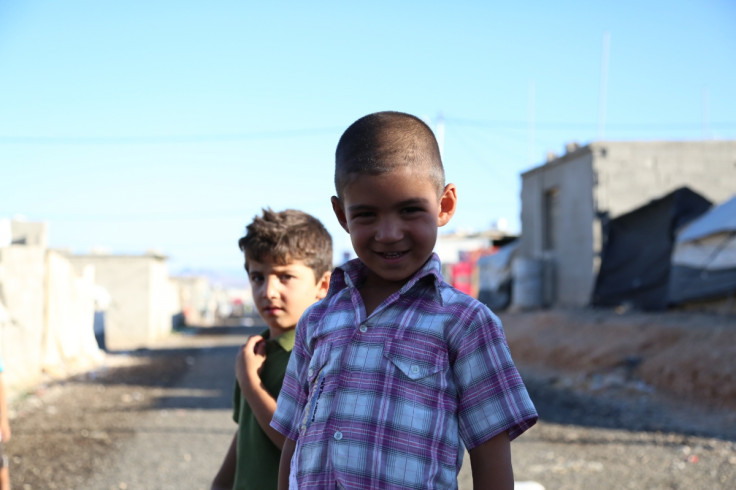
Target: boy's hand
{"x":5,"y":431}
{"x":249,"y":362}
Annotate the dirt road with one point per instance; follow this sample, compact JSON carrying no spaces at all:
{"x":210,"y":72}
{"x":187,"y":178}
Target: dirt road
{"x":160,"y":419}
{"x":156,"y":419}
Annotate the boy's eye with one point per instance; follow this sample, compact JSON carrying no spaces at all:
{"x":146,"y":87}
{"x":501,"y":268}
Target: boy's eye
{"x":412,"y":209}
{"x":286,"y":277}
{"x":256,"y":278}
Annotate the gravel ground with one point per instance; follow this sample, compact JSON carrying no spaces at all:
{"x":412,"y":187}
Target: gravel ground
{"x":160,"y":419}
{"x":624,"y":438}
{"x":157,"y":419}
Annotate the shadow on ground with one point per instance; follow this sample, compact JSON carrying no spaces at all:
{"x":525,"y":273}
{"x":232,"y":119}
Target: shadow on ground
{"x":639,"y":412}
{"x":193,"y":370}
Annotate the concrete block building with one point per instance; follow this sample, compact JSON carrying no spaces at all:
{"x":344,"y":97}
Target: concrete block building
{"x":46,"y":308}
{"x":566,"y":202}
{"x":143,"y":299}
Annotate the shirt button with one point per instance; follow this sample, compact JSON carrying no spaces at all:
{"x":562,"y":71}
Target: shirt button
{"x":310,"y":372}
{"x":414,"y":369}
{"x":363,"y":328}
{"x":338,"y":435}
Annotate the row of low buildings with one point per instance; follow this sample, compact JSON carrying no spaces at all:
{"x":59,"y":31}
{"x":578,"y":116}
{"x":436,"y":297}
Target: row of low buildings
{"x":49,"y":299}
{"x":569,"y":203}
{"x":57,"y":309}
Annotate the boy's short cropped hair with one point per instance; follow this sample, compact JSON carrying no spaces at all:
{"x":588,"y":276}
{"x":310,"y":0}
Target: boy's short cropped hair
{"x":286,"y":236}
{"x":385,"y":141}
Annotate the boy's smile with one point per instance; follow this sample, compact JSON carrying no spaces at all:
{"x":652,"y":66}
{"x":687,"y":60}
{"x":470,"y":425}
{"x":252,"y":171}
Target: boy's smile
{"x":282,"y":292}
{"x":392,"y":220}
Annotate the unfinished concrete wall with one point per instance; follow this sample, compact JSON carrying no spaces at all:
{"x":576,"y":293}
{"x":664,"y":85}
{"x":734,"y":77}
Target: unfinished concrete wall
{"x":47,"y":316}
{"x":47,"y":305}
{"x":138,"y":308}
{"x":22,"y":294}
{"x":164,"y":301}
{"x":69,"y":341}
{"x":601,"y":181}
{"x":29,"y":233}
{"x":630,"y":174}
{"x":566,"y":250}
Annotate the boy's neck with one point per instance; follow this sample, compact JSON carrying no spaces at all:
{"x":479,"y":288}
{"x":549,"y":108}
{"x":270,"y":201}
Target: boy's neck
{"x":371,"y":299}
{"x":276,"y":332}
{"x":374,"y":289}
{"x":373,"y":294}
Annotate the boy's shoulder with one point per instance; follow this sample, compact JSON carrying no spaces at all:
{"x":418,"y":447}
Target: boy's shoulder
{"x":453,"y":299}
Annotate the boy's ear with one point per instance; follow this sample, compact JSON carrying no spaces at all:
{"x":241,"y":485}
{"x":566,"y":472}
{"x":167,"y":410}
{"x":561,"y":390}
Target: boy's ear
{"x":448,"y":204}
{"x":323,"y":284}
{"x":340,"y":212}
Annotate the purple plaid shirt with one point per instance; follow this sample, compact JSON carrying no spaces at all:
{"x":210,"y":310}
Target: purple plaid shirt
{"x":387,"y":401}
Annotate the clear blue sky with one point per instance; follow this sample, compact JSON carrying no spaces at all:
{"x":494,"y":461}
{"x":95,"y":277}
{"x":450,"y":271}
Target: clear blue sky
{"x":169,"y":124}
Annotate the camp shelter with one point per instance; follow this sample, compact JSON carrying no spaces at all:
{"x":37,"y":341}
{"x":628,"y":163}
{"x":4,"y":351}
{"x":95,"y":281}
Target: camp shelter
{"x":704,"y":257}
{"x":567,"y":200}
{"x":494,"y":277}
{"x":635,"y":262}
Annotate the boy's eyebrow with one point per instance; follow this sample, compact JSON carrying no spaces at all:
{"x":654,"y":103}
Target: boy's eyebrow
{"x":285,"y":267}
{"x":417,"y":201}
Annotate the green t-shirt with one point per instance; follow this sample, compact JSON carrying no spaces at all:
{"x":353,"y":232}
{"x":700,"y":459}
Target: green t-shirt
{"x":257,"y":457}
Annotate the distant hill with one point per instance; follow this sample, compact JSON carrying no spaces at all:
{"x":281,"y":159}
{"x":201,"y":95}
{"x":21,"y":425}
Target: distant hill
{"x":225,"y":277}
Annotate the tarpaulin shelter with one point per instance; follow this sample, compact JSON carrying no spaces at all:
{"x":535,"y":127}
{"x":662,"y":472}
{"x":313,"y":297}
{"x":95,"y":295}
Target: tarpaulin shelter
{"x":704,"y":257}
{"x":494,"y":277}
{"x":637,"y":250}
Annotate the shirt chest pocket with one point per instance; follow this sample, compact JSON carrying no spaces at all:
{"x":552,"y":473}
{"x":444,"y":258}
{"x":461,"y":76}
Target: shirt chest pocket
{"x":418,"y":358}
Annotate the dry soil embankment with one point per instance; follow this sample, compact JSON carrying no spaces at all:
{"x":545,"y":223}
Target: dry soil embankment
{"x":688,"y":355}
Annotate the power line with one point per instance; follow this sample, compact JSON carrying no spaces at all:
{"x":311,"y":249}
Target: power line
{"x":165,"y":139}
{"x":524,"y":125}
{"x":306,"y":132}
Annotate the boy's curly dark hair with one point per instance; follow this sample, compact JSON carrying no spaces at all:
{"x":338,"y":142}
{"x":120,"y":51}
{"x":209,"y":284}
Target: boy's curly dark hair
{"x":286,"y":236}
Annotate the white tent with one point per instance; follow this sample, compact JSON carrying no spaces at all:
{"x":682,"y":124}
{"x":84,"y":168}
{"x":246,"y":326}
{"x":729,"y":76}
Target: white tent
{"x":704,"y":257}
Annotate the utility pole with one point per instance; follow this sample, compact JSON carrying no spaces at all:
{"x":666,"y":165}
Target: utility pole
{"x":531,"y":151}
{"x":603,"y":87}
{"x":705,"y":124}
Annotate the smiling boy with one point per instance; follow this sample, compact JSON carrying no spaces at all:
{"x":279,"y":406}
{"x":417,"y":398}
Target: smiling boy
{"x":288,"y":257}
{"x":395,"y":372}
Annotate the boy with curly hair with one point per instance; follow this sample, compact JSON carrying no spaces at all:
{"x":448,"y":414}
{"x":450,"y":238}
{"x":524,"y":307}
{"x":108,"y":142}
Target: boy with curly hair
{"x":288,"y":258}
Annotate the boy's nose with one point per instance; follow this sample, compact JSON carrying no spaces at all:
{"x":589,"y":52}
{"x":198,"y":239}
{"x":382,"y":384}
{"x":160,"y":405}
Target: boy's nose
{"x":389,"y":230}
{"x":270,"y":288}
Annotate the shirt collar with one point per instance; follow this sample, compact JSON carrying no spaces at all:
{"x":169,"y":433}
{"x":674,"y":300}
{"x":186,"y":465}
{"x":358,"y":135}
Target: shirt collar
{"x":352,"y":273}
{"x":285,"y":340}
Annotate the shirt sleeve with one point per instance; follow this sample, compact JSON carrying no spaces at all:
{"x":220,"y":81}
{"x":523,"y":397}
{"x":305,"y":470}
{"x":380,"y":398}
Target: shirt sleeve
{"x":492,"y":395}
{"x":295,"y":389}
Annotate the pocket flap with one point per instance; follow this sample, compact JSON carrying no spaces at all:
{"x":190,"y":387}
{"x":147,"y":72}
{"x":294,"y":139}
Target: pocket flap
{"x":416,"y":358}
